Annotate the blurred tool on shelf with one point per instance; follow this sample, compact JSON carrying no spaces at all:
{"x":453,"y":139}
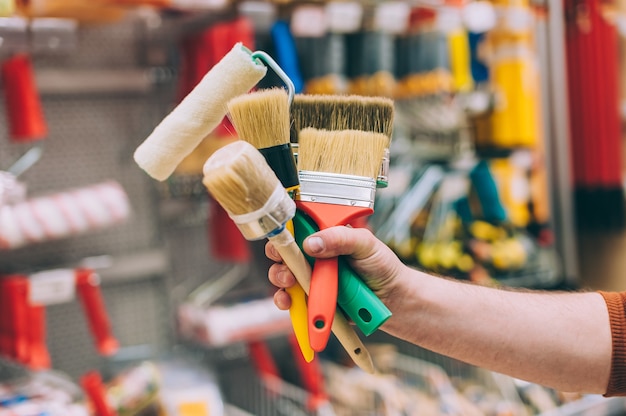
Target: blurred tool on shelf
{"x":63,"y":214}
{"x":23,"y":323}
{"x":595,"y":124}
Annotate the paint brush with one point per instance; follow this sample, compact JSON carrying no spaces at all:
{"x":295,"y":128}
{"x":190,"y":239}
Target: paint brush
{"x":261,"y":118}
{"x":338,"y":171}
{"x":239,"y":178}
{"x":337,"y":112}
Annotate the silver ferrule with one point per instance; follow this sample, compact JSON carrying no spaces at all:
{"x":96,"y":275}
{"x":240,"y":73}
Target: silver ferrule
{"x":382,"y":181}
{"x":332,"y":188}
{"x":269,"y":219}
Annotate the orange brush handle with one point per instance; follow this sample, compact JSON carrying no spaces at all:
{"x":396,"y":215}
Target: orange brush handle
{"x":322,"y":301}
{"x":324,"y":277}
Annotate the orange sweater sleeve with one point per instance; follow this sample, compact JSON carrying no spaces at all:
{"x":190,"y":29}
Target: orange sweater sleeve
{"x":616,"y":304}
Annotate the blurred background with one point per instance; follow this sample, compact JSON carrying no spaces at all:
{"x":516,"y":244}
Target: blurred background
{"x":122,"y":295}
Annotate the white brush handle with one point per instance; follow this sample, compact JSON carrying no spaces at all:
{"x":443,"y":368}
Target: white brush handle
{"x":297,"y":263}
{"x":199,"y":113}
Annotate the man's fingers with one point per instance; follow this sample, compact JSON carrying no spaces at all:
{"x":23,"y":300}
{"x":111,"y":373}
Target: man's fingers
{"x":281,"y":276}
{"x":272,"y":253}
{"x":282,"y":300}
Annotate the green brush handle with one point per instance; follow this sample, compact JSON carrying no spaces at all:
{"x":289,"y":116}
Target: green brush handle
{"x":355,"y":298}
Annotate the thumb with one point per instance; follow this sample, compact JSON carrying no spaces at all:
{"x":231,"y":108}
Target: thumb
{"x":359,"y":243}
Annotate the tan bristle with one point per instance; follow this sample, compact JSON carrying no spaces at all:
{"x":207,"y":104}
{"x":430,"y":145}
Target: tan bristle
{"x":347,"y":152}
{"x":343,"y":112}
{"x":238,"y":177}
{"x":261,"y":117}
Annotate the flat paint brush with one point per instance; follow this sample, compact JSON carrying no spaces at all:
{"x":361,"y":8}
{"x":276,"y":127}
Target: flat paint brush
{"x":198,"y":113}
{"x":351,"y":112}
{"x":239,"y":178}
{"x":338,"y":171}
{"x":261,"y":118}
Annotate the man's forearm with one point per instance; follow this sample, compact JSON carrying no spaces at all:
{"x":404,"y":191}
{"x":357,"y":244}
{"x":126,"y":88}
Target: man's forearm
{"x":562,"y":340}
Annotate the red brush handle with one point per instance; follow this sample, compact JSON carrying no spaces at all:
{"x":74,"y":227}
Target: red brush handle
{"x":39,"y":357}
{"x":88,"y":288}
{"x":24,"y":111}
{"x":96,"y":391}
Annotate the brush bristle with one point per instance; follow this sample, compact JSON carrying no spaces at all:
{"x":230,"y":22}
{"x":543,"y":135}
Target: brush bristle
{"x":343,"y":112}
{"x":347,"y":152}
{"x":261,"y":117}
{"x":238,"y":177}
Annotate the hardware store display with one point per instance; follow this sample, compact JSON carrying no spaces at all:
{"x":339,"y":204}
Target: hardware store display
{"x":122,"y":274}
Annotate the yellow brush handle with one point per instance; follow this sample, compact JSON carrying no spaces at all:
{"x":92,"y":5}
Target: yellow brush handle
{"x":294,"y":259}
{"x":298,"y":314}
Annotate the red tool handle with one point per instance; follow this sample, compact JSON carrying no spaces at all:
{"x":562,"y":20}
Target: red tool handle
{"x":17,"y":322}
{"x":39,"y":357}
{"x":262,"y":359}
{"x":227,"y":242}
{"x":321,"y":306}
{"x":5,"y":311}
{"x":88,"y":288}
{"x":310,"y":375}
{"x":24,"y":111}
{"x":96,"y":391}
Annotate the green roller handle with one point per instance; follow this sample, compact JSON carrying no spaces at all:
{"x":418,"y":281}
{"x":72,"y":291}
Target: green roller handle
{"x":354,"y":297}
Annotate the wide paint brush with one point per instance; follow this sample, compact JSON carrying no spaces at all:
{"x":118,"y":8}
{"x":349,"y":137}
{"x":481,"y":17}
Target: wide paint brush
{"x":348,"y":112}
{"x":338,"y":171}
{"x":239,"y":178}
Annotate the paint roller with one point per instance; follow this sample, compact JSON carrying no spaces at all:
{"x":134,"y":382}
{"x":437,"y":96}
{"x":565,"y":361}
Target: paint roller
{"x":181,"y":131}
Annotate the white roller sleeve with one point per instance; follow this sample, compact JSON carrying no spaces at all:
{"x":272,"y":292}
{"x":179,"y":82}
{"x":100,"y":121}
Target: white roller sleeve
{"x":199,"y":113}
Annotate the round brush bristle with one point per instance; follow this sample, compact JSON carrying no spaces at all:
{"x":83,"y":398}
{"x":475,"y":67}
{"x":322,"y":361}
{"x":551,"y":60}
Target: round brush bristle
{"x":261,"y":117}
{"x":346,"y":152}
{"x":238,"y":177}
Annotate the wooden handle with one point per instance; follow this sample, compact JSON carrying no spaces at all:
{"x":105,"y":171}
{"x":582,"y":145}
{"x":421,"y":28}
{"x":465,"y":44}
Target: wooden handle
{"x":294,"y":259}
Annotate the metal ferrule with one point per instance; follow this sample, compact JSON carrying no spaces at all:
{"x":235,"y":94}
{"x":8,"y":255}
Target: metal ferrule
{"x":382,"y":181}
{"x":270,"y":219}
{"x":332,"y":188}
